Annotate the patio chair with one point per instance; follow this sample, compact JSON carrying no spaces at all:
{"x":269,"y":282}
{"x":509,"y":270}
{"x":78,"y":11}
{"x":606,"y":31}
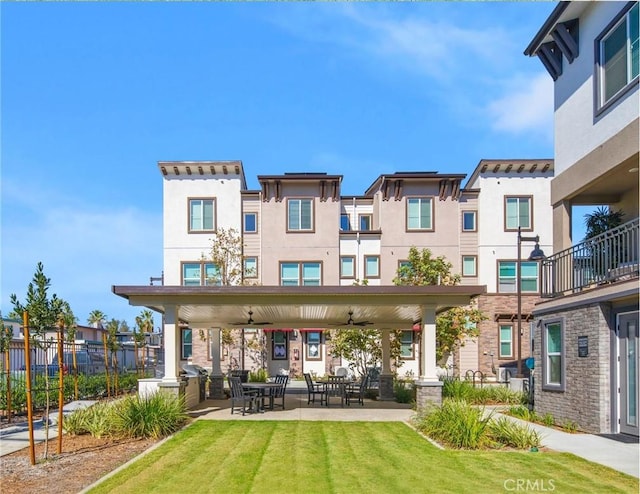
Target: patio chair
{"x":278,"y":393}
{"x":336,"y":386}
{"x":315,"y":389}
{"x":357,"y":390}
{"x":239,"y":394}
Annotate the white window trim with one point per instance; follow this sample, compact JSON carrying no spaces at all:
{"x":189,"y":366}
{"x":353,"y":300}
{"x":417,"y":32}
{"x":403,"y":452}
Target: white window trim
{"x":301,"y":201}
{"x":527,"y":228}
{"x":602,"y":103}
{"x":546,"y":385}
{"x":202,"y":200}
{"x":510,"y":341}
{"x":244,"y":224}
{"x":421,"y":227}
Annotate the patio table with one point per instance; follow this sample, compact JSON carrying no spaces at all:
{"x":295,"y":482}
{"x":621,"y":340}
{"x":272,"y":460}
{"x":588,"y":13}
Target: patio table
{"x":263,"y":388}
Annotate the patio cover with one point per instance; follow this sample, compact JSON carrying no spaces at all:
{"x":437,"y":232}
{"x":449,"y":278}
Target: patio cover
{"x":385,"y":307}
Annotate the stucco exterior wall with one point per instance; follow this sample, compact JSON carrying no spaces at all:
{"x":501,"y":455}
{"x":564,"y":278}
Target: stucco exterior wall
{"x":578,"y":130}
{"x":179,"y":244}
{"x":494,"y":243}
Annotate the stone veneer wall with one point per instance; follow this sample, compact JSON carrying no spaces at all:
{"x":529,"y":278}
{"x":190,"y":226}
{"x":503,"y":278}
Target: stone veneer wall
{"x":586,"y":400}
{"x":428,"y":394}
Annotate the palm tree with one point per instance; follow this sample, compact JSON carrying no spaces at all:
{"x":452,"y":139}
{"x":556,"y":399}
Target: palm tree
{"x":602,"y":219}
{"x":97,"y":318}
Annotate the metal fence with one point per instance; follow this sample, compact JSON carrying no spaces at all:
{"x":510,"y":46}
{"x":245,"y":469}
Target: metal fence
{"x":609,"y":257}
{"x":86,"y":372}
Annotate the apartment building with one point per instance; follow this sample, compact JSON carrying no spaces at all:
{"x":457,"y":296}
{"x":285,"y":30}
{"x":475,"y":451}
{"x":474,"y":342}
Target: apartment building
{"x":299,"y":230}
{"x":586,"y":327}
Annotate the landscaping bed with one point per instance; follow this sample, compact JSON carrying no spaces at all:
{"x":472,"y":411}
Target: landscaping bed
{"x":84,"y":460}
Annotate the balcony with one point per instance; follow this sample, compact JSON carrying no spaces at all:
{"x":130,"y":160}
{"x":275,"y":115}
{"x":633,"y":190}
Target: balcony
{"x":607,"y":258}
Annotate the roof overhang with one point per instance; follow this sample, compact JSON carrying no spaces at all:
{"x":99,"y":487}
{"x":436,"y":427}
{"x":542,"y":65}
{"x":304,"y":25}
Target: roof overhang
{"x":385,"y":307}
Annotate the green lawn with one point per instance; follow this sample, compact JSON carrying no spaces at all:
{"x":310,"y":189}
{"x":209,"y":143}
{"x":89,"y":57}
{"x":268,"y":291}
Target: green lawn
{"x":347,"y":457}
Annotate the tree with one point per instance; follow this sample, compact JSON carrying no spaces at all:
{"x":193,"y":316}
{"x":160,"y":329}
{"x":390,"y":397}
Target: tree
{"x":70,"y":325}
{"x":144,"y":324}
{"x":44,"y":313}
{"x":113,"y":345}
{"x":452,"y":326}
{"x":602,"y":219}
{"x":423,"y":269}
{"x":362,"y":347}
{"x":604,"y":254}
{"x":97,"y":318}
{"x":6,"y":335}
{"x":226,"y":255}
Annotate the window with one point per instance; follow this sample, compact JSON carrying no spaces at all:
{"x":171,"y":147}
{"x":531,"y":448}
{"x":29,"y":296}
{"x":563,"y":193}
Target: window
{"x":300,"y":215}
{"x":365,"y":222}
{"x":200,"y":273}
{"x":468,"y":221}
{"x":279,"y":340}
{"x":517,"y":213}
{"x":186,"y":343}
{"x":406,"y":345}
{"x":469,"y":265}
{"x":553,"y":357}
{"x":372,"y":266}
{"x":250,"y":267}
{"x":313,"y":345}
{"x":419,"y":213}
{"x":345,"y":223}
{"x":402,"y":264}
{"x":347,"y":267}
{"x":618,"y":56}
{"x":250,"y":223}
{"x":507,"y":277}
{"x":505,"y":345}
{"x":202,"y":215}
{"x":300,"y":273}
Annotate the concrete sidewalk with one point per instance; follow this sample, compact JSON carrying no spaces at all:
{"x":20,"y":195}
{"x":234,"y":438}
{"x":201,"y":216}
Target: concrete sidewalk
{"x":621,"y":456}
{"x":16,"y":437}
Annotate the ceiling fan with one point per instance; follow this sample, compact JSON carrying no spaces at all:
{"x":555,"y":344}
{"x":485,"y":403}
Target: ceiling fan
{"x":251,"y":322}
{"x":351,"y":322}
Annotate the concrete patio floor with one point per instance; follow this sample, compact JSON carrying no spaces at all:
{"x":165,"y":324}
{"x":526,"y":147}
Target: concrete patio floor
{"x":296,"y":408}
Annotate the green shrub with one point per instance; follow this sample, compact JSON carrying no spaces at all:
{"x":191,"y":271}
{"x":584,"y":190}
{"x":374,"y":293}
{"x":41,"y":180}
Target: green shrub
{"x":570,"y":426}
{"x":96,"y":420}
{"x":259,"y":376}
{"x":509,"y":433}
{"x":404,"y":392}
{"x":548,"y":420}
{"x":486,"y":395}
{"x":156,"y":415}
{"x":457,"y":389}
{"x":457,"y":424}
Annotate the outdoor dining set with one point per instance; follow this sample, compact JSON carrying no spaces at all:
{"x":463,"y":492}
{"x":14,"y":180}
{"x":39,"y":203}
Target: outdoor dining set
{"x":258,"y":397}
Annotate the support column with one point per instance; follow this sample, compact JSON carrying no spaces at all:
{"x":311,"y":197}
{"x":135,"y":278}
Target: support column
{"x":428,"y":386}
{"x":171,"y":381}
{"x":385,"y":391}
{"x":216,"y":379}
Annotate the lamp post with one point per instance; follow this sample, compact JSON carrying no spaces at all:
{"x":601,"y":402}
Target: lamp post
{"x":536,"y":255}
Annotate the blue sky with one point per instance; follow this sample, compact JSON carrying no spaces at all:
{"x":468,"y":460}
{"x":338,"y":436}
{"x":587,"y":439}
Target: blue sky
{"x":95,"y":94}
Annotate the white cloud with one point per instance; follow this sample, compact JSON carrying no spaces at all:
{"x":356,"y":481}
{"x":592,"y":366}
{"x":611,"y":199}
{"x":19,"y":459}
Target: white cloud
{"x":85,"y":249}
{"x":401,"y":38}
{"x":526,"y":105}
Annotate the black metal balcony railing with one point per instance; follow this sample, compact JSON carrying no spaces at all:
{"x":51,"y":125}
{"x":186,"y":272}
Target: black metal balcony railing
{"x":606,"y":258}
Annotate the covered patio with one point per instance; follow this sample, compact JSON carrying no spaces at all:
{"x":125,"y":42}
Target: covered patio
{"x":385,"y":308}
